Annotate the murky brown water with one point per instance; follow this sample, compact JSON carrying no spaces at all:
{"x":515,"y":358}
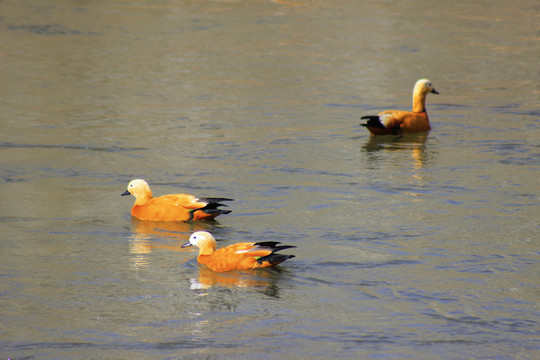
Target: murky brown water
{"x":422,"y":247}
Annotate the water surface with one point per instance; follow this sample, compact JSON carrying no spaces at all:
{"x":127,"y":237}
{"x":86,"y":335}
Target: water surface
{"x":419,"y":247}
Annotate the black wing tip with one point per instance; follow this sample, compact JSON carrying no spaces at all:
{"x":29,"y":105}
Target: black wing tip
{"x":283,"y":247}
{"x":212,"y":200}
{"x":274,"y":245}
{"x":372,"y":121}
{"x":213,"y":205}
{"x":270,"y":244}
{"x":274,"y":259}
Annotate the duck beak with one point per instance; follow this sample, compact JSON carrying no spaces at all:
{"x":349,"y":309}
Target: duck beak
{"x":188,"y":244}
{"x":125,"y":193}
{"x":435,"y":92}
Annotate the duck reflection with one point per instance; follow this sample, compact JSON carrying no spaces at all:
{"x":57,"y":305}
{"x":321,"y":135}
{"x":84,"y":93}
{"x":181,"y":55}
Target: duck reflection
{"x":407,"y":153}
{"x":414,"y":144}
{"x":142,"y":242}
{"x":265,"y":279}
{"x":174,"y":229}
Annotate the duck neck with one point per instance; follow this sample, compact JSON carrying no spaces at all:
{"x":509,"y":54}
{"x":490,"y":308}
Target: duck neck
{"x":419,"y":101}
{"x":207,"y":248}
{"x":143,"y":198}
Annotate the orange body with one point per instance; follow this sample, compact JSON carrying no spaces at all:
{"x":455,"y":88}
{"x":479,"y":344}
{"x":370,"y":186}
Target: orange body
{"x":397,"y":122}
{"x":177,"y":207}
{"x":402,"y":122}
{"x":174,"y":207}
{"x":235,"y":257}
{"x":239,"y":256}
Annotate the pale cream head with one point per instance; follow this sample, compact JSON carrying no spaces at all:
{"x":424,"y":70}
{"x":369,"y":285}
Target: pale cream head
{"x":200,"y":237}
{"x":203,"y":240}
{"x":424,"y":86}
{"x":420,"y":91}
{"x":140,"y":189}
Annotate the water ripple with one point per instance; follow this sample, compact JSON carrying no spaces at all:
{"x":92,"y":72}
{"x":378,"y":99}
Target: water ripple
{"x":8,"y":145}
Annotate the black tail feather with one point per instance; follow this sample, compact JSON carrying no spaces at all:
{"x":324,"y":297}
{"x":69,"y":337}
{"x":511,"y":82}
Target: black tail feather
{"x":215,"y":211}
{"x":283,"y":247}
{"x":373,"y":121}
{"x":214,"y":200}
{"x":274,"y":245}
{"x":270,"y":244}
{"x":274,"y":258}
{"x":213,"y":204}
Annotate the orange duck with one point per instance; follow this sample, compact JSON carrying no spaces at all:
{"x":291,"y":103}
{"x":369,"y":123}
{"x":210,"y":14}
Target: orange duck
{"x":397,"y":122}
{"x":239,"y":256}
{"x":173,"y":207}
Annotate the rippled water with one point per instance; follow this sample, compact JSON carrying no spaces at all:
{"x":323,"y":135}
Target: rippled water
{"x":420,"y":247}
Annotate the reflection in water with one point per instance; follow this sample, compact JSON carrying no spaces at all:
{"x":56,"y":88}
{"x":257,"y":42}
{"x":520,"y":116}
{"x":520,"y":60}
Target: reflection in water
{"x":141,"y":243}
{"x":139,"y":247}
{"x":414,"y":143}
{"x":261,"y":278}
{"x":400,"y":150}
{"x":173,"y":229}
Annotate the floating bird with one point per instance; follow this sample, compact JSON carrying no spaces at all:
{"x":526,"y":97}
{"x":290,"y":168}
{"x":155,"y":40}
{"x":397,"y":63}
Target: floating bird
{"x":397,"y":122}
{"x":239,"y":256}
{"x":173,"y":207}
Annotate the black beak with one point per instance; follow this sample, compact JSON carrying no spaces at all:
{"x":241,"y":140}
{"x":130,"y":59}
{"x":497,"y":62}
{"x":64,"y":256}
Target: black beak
{"x":125,"y":193}
{"x":435,"y":91}
{"x":188,"y":244}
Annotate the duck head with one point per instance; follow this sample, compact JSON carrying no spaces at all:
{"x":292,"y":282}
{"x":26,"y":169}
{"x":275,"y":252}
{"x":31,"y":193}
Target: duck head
{"x":203,"y":240}
{"x":138,"y":188}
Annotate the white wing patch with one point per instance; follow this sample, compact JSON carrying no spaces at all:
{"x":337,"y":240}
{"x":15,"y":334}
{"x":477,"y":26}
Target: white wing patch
{"x":385,"y":119}
{"x":247,"y":250}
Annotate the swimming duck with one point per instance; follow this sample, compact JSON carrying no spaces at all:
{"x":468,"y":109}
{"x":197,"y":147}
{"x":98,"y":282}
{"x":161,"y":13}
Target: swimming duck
{"x":239,"y":256}
{"x":173,"y":207}
{"x":397,"y":122}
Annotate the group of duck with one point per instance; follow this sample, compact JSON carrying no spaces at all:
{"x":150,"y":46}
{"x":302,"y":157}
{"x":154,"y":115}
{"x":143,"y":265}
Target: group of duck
{"x":252,"y":255}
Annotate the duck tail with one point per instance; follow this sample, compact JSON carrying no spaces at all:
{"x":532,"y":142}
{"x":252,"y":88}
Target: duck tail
{"x":212,"y":208}
{"x":373,"y":121}
{"x":213,"y":205}
{"x":214,"y":200}
{"x":273,"y":258}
